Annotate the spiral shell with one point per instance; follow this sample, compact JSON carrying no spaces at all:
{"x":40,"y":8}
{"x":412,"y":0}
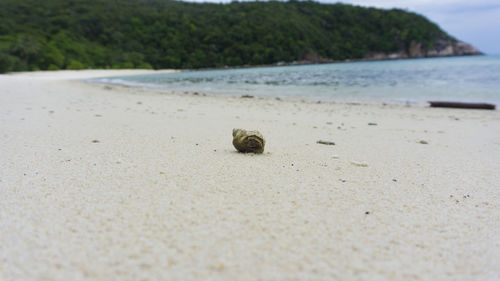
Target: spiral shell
{"x":248,"y":141}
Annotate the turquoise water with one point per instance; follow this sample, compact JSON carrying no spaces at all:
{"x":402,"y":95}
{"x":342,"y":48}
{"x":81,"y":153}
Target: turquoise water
{"x":474,"y":79}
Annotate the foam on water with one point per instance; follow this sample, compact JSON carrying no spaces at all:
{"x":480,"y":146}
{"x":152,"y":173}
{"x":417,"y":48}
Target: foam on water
{"x":475,"y":79}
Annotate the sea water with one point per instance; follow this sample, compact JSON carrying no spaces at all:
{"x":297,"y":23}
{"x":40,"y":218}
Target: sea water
{"x":414,"y":81}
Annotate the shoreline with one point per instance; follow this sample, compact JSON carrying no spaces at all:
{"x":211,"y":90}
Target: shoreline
{"x":368,"y":91}
{"x":277,"y":64}
{"x":292,"y":99}
{"x":306,"y":62}
{"x":111,"y":182}
{"x":306,"y":99}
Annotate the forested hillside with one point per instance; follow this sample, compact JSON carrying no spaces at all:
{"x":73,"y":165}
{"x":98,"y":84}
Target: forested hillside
{"x":77,"y":34}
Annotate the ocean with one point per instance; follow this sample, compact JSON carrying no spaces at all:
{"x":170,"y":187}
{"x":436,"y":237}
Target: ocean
{"x":413,"y":81}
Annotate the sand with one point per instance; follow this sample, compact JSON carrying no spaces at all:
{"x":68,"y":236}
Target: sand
{"x":115,"y":183}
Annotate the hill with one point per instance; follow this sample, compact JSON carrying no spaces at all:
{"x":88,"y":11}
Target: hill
{"x":77,"y":34}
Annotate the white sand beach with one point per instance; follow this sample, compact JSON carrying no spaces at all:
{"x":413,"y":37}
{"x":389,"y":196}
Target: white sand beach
{"x":105,"y":182}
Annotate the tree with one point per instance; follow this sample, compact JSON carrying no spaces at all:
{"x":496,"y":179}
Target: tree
{"x":174,"y":34}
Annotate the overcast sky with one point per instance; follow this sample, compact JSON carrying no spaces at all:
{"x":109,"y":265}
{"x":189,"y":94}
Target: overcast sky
{"x":474,"y":21}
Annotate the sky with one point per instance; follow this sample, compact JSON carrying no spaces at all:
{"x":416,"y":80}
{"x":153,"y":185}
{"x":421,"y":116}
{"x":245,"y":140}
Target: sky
{"x":476,"y":22}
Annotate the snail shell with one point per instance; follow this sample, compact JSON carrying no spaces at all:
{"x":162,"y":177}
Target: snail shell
{"x":248,"y":141}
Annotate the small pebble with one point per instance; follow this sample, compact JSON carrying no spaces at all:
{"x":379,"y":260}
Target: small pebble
{"x":372,"y":124}
{"x":95,"y":141}
{"x":423,"y":142}
{"x":359,"y":164}
{"x":367,"y":213}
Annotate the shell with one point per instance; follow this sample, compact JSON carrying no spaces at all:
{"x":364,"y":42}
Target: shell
{"x":248,"y":141}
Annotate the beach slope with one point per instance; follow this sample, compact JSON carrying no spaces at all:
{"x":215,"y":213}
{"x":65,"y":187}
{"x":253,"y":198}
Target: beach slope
{"x":101,"y":182}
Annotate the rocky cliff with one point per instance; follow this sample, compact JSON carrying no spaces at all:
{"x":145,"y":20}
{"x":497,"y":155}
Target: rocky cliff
{"x":441,"y":48}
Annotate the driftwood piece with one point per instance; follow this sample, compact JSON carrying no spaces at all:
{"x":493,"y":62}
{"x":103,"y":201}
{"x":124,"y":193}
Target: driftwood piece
{"x":469,"y":105}
{"x":325,"y":142}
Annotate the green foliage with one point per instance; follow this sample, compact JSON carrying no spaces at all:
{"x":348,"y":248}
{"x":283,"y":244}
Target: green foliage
{"x":52,"y":57}
{"x":144,"y":65}
{"x":53,"y":67}
{"x":75,"y":65}
{"x":26,"y":47}
{"x":123,"y":65}
{"x":157,"y":34}
{"x":7,"y":62}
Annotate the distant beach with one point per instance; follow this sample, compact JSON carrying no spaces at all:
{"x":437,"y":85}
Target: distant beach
{"x":108,"y":182}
